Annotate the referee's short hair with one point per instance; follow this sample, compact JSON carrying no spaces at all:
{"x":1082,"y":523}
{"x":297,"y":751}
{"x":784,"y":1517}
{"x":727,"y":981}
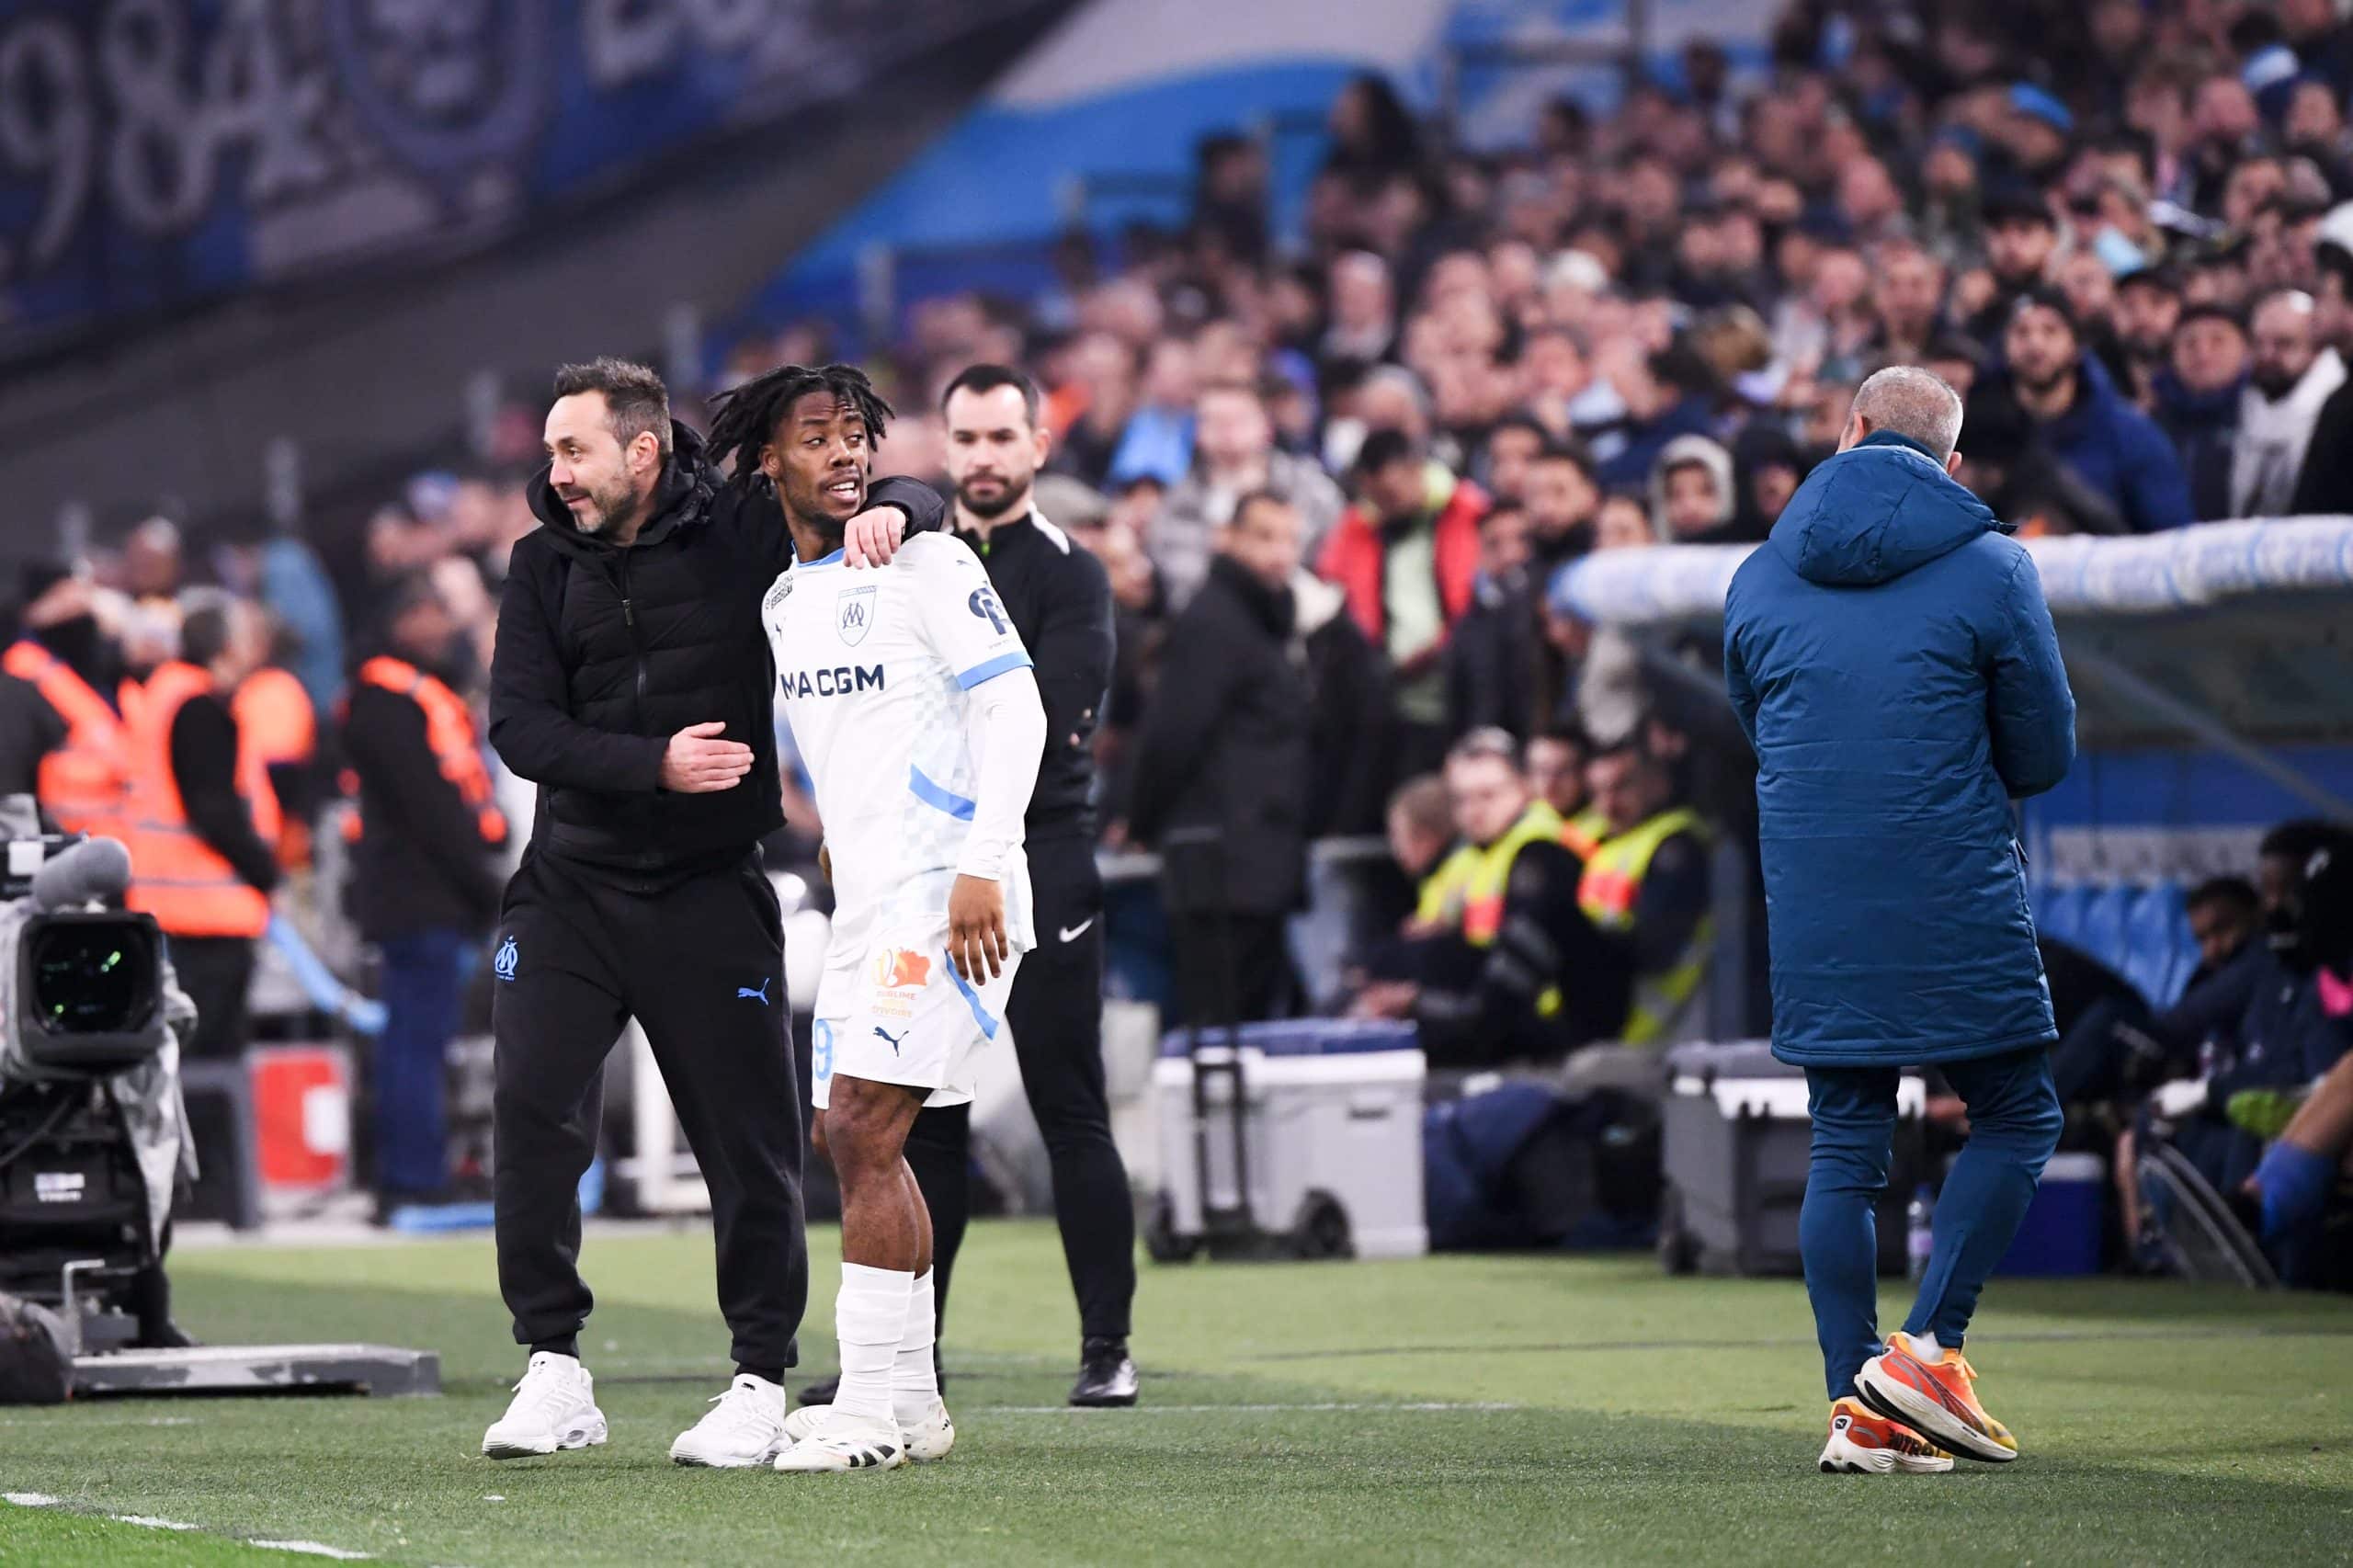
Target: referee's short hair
{"x":986,"y":378}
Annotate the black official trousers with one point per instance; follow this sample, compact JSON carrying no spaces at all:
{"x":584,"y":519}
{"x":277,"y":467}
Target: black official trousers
{"x":1056,"y":1014}
{"x":700,"y":965}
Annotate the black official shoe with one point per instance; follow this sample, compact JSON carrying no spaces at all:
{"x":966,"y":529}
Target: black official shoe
{"x":1107,"y":1375}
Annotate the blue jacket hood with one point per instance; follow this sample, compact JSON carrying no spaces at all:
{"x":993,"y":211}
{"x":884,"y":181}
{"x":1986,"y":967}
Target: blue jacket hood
{"x":1876,"y":511}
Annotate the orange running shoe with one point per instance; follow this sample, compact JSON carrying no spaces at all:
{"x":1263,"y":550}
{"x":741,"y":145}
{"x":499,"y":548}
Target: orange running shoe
{"x":1935,"y":1398}
{"x":1863,"y":1442}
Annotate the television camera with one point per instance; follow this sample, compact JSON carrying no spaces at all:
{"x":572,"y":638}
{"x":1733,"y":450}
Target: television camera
{"x":93,"y":1136}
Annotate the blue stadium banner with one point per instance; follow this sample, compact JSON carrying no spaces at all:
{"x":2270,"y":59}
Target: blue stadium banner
{"x":157,"y":152}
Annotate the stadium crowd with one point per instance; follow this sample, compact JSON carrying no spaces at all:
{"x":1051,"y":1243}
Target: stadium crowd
{"x":1332,"y":481}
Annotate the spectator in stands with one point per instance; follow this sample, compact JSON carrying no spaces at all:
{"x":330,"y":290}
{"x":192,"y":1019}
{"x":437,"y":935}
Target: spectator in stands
{"x":2291,"y":378}
{"x":1158,"y":439}
{"x":2198,"y":398}
{"x":1363,"y":329}
{"x":1691,"y":492}
{"x":1094,"y":407}
{"x":2087,"y":424}
{"x":1407,"y":557}
{"x":1624,"y":523}
{"x":1350,"y":762}
{"x":1770,"y":467}
{"x":1491,"y":657}
{"x":1666,"y":396}
{"x":1233,"y":455}
{"x":2325,"y":486}
{"x":1226,"y":747}
{"x":1907,"y":302}
{"x":426,"y":877}
{"x":2021,"y":237}
{"x":1562,"y":501}
{"x":1510,"y":451}
{"x":2148,"y":310}
{"x":1646,"y":883}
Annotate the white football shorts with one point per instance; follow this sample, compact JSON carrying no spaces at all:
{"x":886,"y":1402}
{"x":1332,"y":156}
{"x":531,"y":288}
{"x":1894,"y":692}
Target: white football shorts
{"x":899,"y":1013}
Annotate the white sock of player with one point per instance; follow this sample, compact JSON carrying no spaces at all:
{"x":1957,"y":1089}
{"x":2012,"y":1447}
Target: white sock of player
{"x":869,"y":1317}
{"x":915,"y":1382}
{"x":1925,"y":1345}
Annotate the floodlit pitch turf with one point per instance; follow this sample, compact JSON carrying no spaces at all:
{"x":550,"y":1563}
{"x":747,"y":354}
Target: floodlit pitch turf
{"x":1454,"y":1410}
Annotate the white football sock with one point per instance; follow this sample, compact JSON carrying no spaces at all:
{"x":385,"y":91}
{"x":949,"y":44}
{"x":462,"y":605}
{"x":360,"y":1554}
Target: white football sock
{"x":1925,"y":1346}
{"x":915,"y":1383}
{"x":870,"y":1316}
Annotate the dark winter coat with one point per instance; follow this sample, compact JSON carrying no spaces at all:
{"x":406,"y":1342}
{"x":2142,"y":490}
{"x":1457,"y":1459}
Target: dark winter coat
{"x":1226,"y":741}
{"x":604,"y":653}
{"x":1890,"y":656}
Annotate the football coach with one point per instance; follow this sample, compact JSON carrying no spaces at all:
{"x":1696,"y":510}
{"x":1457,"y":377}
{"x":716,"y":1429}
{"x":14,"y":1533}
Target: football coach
{"x":632,"y":684}
{"x":1895,"y":665}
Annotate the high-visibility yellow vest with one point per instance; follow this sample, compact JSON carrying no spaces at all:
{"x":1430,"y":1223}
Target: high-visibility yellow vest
{"x":1468,"y":885}
{"x":1611,"y":887}
{"x":1583,"y":833}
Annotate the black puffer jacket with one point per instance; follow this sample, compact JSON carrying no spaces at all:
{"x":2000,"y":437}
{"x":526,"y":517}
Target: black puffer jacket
{"x":604,"y":653}
{"x":1226,"y":741}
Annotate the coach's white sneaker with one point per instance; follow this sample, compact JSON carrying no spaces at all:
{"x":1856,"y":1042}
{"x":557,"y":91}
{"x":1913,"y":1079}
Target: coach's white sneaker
{"x":554,"y":1408}
{"x":927,"y":1439}
{"x":837,"y":1442}
{"x":746,"y":1427}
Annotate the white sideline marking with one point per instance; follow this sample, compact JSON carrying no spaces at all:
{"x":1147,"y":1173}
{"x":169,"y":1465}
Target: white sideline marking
{"x":30,"y":1499}
{"x":148,"y":1521}
{"x":313,"y":1548}
{"x":1229,"y":1409}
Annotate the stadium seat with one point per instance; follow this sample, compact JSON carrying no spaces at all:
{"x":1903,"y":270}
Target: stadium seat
{"x":2153,"y":921}
{"x":2059,"y":912}
{"x":2102,"y":934}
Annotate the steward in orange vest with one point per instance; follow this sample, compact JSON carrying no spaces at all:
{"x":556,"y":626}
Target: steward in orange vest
{"x":278,"y":730}
{"x":427,"y":834}
{"x":202,"y":820}
{"x":83,"y":781}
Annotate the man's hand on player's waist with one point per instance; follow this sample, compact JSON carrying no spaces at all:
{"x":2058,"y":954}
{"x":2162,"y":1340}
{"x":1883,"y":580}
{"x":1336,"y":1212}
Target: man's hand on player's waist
{"x":976,"y":938}
{"x":872,"y":536}
{"x":698,"y":763}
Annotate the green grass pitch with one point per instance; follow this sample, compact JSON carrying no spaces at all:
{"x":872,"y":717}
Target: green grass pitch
{"x":1455,"y":1410}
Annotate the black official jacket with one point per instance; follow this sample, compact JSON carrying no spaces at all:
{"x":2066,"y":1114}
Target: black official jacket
{"x":605,"y":652}
{"x":1060,"y":600}
{"x":422,"y":864}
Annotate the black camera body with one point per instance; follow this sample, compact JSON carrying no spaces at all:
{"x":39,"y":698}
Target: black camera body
{"x":90,"y":1118}
{"x":89,"y":985}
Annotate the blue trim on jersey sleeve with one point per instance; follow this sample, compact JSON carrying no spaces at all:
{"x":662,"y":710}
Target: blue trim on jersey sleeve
{"x":972,"y":1000}
{"x":1016,"y":660}
{"x":931,"y":794}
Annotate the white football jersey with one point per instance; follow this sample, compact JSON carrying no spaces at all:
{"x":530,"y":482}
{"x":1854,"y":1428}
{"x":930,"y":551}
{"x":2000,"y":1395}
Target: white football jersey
{"x":874,"y":667}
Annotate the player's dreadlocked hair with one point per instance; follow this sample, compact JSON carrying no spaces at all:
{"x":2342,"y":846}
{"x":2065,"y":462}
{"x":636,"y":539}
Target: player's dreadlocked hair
{"x":744,"y":419}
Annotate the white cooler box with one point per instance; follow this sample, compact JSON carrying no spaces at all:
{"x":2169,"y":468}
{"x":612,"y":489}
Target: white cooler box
{"x":1333,"y":1143}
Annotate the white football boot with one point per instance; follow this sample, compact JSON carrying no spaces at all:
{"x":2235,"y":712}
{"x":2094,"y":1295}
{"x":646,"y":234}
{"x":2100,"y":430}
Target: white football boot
{"x":838,"y":1442}
{"x":927,"y":1439}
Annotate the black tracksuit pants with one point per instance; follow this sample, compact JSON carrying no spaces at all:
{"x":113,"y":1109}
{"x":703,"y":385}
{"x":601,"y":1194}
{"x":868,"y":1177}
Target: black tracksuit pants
{"x":700,"y":965}
{"x":1056,"y":1012}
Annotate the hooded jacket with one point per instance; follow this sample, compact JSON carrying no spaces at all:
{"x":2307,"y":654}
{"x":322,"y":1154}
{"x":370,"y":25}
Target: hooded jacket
{"x":1710,"y":454}
{"x":1892,"y":659}
{"x":2118,"y":451}
{"x":604,"y":653}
